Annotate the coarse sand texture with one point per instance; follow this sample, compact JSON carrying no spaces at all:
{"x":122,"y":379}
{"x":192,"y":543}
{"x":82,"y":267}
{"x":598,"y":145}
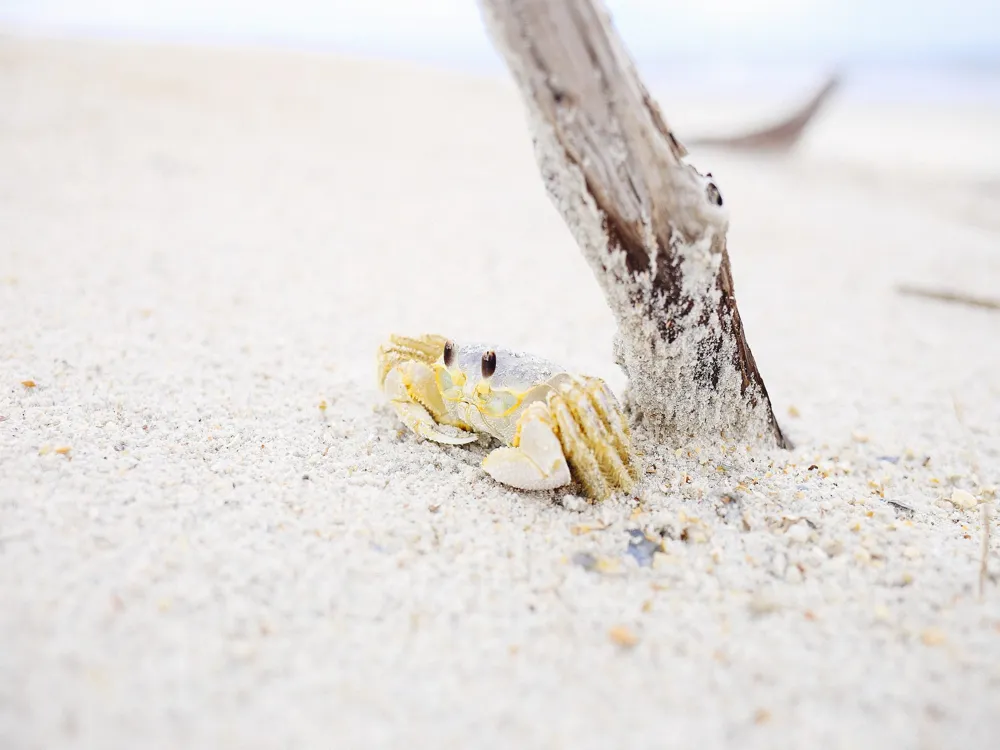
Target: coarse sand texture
{"x":214,"y":532}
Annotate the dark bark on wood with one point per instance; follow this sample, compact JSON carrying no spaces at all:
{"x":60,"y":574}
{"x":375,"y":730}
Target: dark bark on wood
{"x":652,"y":228}
{"x":781,"y":137}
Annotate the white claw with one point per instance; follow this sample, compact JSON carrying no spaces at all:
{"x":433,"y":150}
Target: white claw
{"x":414,"y":415}
{"x":537,"y":463}
{"x":418,"y":419}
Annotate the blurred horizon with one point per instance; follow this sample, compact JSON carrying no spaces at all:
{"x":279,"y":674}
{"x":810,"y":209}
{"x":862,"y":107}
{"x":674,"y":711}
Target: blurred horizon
{"x":924,"y":48}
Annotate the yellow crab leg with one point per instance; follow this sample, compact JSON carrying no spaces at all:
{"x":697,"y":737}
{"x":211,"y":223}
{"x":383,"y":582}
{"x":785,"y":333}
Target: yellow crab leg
{"x":400,"y":349}
{"x":586,"y":468}
{"x":604,"y":402}
{"x":599,"y":435}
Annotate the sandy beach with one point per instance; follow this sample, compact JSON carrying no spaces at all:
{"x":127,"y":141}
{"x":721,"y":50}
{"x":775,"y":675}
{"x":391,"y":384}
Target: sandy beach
{"x":215,"y":533}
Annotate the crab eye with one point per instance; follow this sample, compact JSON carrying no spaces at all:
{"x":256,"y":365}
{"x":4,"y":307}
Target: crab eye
{"x":449,"y":353}
{"x":713,"y":193}
{"x":489,"y":363}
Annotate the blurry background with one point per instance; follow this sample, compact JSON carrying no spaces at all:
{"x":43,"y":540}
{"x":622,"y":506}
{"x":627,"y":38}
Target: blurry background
{"x":903,"y":49}
{"x":914,"y":119}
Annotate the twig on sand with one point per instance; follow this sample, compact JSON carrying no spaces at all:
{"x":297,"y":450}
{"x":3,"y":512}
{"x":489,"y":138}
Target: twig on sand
{"x":651,"y":227}
{"x":984,"y":570}
{"x":944,"y":295}
{"x":781,"y":136}
{"x":984,"y":506}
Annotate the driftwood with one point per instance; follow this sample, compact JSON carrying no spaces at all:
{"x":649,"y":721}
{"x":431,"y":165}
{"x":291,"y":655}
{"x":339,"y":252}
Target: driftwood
{"x":780,"y":137}
{"x":651,"y":227}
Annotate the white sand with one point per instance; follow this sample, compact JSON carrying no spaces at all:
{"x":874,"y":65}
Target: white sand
{"x":197,"y":248}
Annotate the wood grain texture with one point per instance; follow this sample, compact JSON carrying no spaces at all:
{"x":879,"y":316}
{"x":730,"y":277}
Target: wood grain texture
{"x":652,"y":228}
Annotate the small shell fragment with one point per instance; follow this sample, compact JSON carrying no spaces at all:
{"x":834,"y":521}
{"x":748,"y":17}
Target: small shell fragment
{"x":932,"y":637}
{"x":963,"y":500}
{"x":585,"y":528}
{"x":622,"y":636}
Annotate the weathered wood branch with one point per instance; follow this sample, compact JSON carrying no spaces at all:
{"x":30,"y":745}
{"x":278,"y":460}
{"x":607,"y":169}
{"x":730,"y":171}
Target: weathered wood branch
{"x":652,"y":228}
{"x":782,"y":136}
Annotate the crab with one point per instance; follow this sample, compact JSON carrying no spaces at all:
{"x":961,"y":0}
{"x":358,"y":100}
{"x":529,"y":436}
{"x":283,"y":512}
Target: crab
{"x":555,"y":427}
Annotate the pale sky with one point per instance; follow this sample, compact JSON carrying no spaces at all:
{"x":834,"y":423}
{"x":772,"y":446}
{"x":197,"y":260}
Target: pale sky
{"x":907,"y":30}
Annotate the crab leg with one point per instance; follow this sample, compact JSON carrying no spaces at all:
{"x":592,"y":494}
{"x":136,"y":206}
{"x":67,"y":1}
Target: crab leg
{"x":594,"y":436}
{"x":574,"y":444}
{"x":607,"y":441}
{"x":402,"y":349}
{"x":413,"y":393}
{"x":607,"y":408}
{"x":535,"y":461}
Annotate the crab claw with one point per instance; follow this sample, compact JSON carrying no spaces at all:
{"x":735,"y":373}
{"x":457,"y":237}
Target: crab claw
{"x":413,"y":393}
{"x":536,"y":460}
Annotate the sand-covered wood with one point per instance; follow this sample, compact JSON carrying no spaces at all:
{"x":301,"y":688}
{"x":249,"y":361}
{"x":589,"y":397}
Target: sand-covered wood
{"x":652,"y":228}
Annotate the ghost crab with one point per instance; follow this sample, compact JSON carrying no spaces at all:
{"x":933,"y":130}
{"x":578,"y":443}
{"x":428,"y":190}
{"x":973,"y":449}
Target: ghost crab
{"x":555,"y":427}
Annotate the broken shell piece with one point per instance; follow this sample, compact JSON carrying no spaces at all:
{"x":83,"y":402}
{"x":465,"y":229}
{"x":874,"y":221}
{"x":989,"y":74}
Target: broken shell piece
{"x":963,"y":500}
